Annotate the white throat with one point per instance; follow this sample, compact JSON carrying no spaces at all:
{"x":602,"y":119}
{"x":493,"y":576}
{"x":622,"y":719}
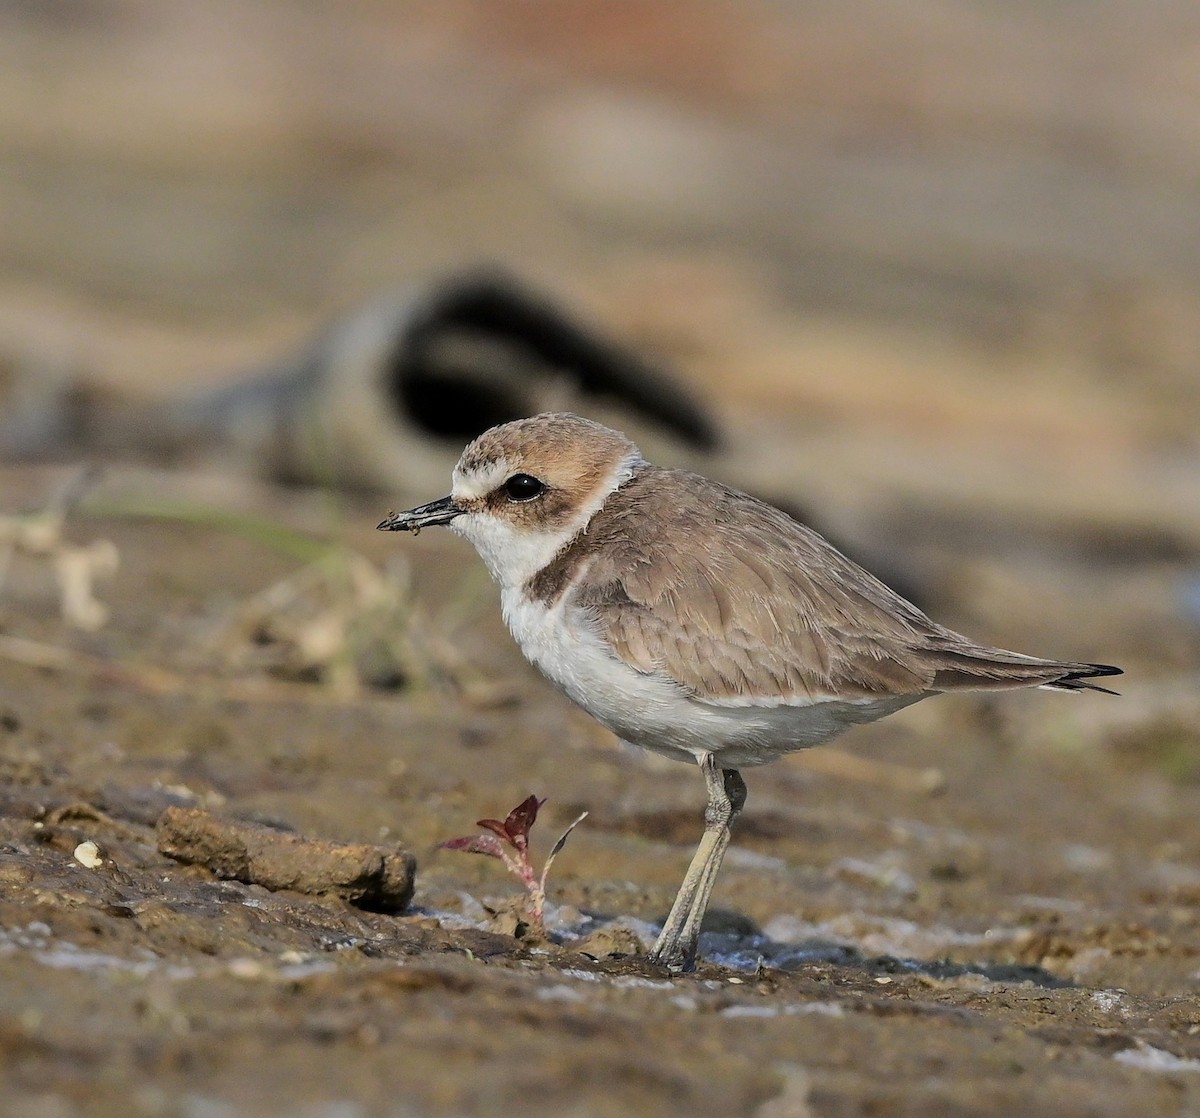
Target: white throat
{"x":515,"y":554}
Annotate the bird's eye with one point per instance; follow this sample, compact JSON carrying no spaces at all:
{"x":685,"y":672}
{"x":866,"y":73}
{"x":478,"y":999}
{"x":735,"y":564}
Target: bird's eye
{"x":523,"y":487}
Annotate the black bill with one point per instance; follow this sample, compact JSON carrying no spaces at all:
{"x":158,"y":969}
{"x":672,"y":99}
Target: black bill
{"x":436,"y":512}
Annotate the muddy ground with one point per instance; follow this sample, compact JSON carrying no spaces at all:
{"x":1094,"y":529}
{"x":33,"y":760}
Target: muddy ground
{"x":933,"y":267}
{"x":998,"y":912}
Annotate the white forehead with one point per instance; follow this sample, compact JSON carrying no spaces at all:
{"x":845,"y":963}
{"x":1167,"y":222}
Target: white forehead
{"x":478,"y":481}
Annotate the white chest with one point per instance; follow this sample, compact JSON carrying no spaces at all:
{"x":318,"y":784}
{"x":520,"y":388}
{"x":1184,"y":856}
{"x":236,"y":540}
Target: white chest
{"x":651,"y":710}
{"x":561,"y":644}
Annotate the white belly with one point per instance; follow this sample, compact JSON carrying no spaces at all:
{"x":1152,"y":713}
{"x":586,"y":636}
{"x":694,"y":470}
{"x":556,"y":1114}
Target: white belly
{"x":654,"y":712}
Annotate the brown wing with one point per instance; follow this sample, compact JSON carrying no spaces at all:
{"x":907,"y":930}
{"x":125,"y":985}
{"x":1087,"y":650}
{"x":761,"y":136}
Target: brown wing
{"x":734,"y":600}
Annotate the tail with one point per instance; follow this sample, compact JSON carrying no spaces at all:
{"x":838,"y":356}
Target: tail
{"x":994,"y":669}
{"x":1077,"y":680}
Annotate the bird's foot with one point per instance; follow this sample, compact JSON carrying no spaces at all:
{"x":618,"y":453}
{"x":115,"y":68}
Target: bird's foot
{"x":675,"y":956}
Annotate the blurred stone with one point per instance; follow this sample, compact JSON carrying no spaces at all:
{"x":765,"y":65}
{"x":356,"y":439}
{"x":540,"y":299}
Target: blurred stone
{"x":612,"y":939}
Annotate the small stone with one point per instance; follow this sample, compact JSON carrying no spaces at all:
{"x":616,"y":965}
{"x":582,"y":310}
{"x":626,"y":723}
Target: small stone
{"x":87,"y":854}
{"x":613,"y":939}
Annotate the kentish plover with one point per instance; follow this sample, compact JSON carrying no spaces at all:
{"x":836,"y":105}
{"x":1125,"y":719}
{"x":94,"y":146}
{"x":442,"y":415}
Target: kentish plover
{"x":695,"y":620}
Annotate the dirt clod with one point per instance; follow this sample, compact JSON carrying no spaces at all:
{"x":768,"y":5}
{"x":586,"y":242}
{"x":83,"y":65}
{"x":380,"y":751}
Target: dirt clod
{"x":374,"y":877}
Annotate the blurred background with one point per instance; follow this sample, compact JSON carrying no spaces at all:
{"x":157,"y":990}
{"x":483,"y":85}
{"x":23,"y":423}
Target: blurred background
{"x":940,"y":253}
{"x":928,"y":273}
{"x":925,"y":272}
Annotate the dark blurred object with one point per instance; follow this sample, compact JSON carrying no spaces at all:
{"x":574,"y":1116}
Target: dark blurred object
{"x":387,"y":395}
{"x":391,"y":392}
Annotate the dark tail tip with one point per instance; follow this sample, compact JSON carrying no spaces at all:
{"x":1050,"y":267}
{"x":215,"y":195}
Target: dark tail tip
{"x":1078,"y":680}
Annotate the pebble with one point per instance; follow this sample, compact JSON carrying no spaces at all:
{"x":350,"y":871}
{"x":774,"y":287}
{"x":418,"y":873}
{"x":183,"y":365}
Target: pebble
{"x":87,"y":854}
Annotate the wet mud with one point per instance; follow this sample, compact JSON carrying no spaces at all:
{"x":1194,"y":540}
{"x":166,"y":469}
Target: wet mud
{"x":1019,"y":934}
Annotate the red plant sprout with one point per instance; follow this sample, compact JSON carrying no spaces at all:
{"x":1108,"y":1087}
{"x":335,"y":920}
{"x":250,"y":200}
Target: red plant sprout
{"x":509,"y":841}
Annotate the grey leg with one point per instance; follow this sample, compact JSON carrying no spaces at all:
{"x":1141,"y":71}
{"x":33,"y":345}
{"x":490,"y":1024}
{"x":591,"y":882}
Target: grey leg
{"x":676,"y":946}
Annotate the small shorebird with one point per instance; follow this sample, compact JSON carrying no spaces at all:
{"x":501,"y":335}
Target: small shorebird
{"x":695,"y":620}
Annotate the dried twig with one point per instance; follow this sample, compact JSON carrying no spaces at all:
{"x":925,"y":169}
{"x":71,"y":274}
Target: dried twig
{"x":39,"y":535}
{"x":341,"y":619}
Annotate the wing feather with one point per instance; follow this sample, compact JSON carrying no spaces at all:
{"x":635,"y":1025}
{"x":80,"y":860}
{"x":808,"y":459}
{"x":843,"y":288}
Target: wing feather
{"x":735,"y":601}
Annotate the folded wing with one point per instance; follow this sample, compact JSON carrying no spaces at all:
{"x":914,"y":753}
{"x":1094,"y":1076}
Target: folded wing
{"x":738,"y":603}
